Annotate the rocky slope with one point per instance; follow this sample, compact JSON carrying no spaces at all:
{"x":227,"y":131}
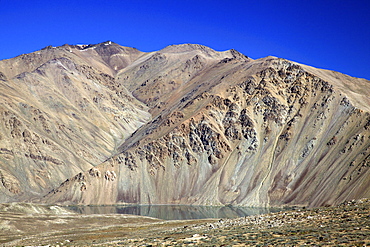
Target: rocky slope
{"x":230,"y":130}
{"x":184,"y":125}
{"x":61,"y":112}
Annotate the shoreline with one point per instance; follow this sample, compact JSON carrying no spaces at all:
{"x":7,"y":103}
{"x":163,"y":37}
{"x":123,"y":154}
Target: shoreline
{"x":342,"y":225}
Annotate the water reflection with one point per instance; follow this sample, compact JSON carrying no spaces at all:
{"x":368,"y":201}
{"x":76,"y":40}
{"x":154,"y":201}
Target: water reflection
{"x":174,"y":212}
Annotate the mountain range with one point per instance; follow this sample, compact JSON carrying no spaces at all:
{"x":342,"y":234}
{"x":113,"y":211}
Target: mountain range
{"x":107,"y":124}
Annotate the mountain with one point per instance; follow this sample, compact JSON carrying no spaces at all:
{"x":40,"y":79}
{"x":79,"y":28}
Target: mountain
{"x":106,"y":124}
{"x":62,"y":112}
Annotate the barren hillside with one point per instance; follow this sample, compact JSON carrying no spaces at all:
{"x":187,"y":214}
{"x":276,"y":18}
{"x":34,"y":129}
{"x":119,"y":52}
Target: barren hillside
{"x":183,"y":125}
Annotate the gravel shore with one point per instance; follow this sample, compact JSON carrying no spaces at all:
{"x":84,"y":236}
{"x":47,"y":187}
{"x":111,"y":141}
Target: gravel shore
{"x":345,"y":225}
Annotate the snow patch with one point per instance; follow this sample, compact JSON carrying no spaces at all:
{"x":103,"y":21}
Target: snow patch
{"x":62,"y":65}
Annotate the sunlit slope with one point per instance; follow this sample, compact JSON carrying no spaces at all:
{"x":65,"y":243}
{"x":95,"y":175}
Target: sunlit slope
{"x":61,"y":112}
{"x":230,"y":130}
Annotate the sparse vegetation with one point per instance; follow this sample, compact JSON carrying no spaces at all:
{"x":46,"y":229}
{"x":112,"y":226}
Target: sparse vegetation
{"x":345,"y":225}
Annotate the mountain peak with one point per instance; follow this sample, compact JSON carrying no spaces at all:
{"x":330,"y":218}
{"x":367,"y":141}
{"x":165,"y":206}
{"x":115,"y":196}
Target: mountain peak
{"x":185,"y":48}
{"x":87,"y":46}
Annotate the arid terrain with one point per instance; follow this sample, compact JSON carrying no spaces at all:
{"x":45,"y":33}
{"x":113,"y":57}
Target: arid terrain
{"x":107,"y":124}
{"x":345,"y":225}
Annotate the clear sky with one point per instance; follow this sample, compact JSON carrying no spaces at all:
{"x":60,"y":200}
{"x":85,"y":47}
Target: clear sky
{"x":323,"y":33}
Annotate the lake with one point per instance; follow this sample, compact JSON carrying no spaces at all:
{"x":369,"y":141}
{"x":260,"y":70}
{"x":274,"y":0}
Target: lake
{"x":175,"y":212}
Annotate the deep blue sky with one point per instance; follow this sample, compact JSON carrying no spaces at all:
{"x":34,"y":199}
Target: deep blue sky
{"x":326,"y":34}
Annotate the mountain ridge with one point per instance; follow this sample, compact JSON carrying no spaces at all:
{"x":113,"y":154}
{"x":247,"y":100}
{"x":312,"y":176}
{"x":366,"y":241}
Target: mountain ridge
{"x":182,"y":125}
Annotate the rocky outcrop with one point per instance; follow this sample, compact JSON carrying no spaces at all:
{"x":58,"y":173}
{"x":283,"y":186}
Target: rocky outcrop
{"x":9,"y":182}
{"x":230,"y":130}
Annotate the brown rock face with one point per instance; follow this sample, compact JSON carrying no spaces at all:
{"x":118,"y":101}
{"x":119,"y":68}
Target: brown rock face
{"x":184,"y":125}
